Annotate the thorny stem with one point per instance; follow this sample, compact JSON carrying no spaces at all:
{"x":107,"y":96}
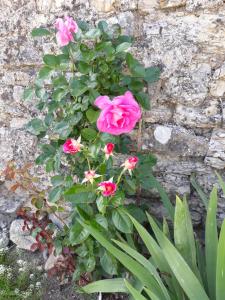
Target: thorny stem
{"x":58,"y":217}
{"x":139,"y":146}
{"x":121,"y":174}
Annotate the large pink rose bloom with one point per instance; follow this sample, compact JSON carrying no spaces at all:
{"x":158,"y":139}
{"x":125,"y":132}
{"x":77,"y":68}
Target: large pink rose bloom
{"x":119,"y":115}
{"x":65,"y":29}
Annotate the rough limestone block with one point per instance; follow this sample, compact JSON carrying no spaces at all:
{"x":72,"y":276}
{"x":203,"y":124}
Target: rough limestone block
{"x":181,"y":142}
{"x":172,"y":3}
{"x":147,"y":5}
{"x":103,"y":5}
{"x":205,"y":117}
{"x":159,"y":114}
{"x":216,"y":153}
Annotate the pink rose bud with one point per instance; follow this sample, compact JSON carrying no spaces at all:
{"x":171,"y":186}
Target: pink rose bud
{"x":108,"y":188}
{"x":90,"y":176}
{"x":119,"y":115}
{"x":72,"y":146}
{"x":108,"y":149}
{"x":130,"y":163}
{"x":65,"y":29}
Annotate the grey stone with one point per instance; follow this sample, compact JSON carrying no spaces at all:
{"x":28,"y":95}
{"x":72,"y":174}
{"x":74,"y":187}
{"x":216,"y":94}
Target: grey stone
{"x":20,"y":237}
{"x":4,"y":235}
{"x":9,"y":204}
{"x":183,"y":143}
{"x":216,"y":152}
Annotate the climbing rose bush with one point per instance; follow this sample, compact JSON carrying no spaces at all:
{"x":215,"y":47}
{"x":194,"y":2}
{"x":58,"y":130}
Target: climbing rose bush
{"x":91,"y":92}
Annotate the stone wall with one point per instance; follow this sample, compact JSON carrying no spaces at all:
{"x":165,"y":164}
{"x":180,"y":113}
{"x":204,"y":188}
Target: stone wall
{"x":185,"y":127}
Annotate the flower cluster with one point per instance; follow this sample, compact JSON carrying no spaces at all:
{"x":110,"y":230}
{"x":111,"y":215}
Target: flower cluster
{"x":108,"y":188}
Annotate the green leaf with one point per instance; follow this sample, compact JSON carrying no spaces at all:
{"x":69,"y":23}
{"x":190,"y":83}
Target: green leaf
{"x":63,"y":129}
{"x":136,"y":212}
{"x":83,"y":25}
{"x":80,"y":194}
{"x":83,"y":67}
{"x":143,"y":99}
{"x":78,"y":234}
{"x":93,"y":34}
{"x":100,"y":219}
{"x":211,"y":243}
{"x":51,"y":60}
{"x":121,"y":220}
{"x":103,"y":26}
{"x":135,"y":293}
{"x":101,"y":205}
{"x":44,"y":73}
{"x":59,"y":94}
{"x":57,"y":180}
{"x":89,"y":134}
{"x":36,"y":126}
{"x":77,"y":87}
{"x":199,"y":190}
{"x":108,"y":263}
{"x":184,"y":235}
{"x":123,"y":47}
{"x":89,"y":264}
{"x":152,"y":74}
{"x":92,"y":115}
{"x":40,"y":32}
{"x":163,"y":195}
{"x":115,"y":285}
{"x":220,"y":266}
{"x":28,"y":93}
{"x":60,"y":82}
{"x":180,"y":268}
{"x":221,"y":182}
{"x":138,"y":71}
{"x":55,"y":194}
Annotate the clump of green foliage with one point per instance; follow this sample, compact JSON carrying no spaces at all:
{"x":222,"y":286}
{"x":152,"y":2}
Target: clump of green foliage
{"x":176,"y":266}
{"x":16,"y":281}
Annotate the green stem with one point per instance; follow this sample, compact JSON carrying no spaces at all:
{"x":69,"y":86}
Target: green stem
{"x":120,"y":176}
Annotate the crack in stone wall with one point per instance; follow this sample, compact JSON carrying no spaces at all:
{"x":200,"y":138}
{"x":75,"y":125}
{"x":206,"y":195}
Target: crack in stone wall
{"x":186,"y":38}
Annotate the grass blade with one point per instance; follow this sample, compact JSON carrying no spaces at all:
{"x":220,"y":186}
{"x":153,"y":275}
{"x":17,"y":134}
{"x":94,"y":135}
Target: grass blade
{"x":134,"y":267}
{"x":199,"y":190}
{"x":184,"y":234}
{"x":163,"y":195}
{"x":180,"y":268}
{"x":146,"y":263}
{"x":105,"y":286}
{"x":220,"y":270}
{"x":136,"y":294}
{"x":211,"y":243}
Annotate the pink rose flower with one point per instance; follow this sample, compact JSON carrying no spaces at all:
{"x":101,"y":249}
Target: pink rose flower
{"x":72,"y":146}
{"x":108,"y":188}
{"x":65,"y":29}
{"x":108,"y":149}
{"x":119,"y":115}
{"x":130,"y":163}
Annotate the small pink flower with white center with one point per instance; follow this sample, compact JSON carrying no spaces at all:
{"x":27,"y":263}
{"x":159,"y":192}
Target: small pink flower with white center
{"x":108,"y":188}
{"x":130,"y":163}
{"x":90,"y":176}
{"x":72,"y":146}
{"x":108,"y":149}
